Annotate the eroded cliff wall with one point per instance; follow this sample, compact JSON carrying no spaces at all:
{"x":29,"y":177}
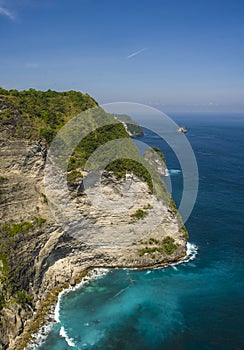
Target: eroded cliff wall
{"x":44,"y":256}
{"x":40,"y":256}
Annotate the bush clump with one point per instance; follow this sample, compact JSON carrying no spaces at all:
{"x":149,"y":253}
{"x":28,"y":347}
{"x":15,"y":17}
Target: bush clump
{"x":121,"y":166}
{"x":14,"y":229}
{"x":40,"y":221}
{"x":139,"y":214}
{"x":186,"y":235}
{"x":2,"y":301}
{"x":167,"y":245}
{"x":74,"y":176}
{"x":22,"y":297}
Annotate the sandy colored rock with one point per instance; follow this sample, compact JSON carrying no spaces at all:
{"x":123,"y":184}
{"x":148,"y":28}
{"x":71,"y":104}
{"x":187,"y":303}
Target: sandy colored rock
{"x":49,"y":257}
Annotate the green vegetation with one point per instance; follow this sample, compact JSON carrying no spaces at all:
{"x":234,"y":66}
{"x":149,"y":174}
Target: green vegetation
{"x":121,"y":166}
{"x":183,"y":228}
{"x":46,"y":306}
{"x":172,"y":206}
{"x":36,"y":114}
{"x":40,"y":114}
{"x":32,"y":115}
{"x":14,"y":229}
{"x":174,"y":211}
{"x":95,"y":139}
{"x":167,"y":246}
{"x":148,"y":250}
{"x":40,"y":221}
{"x":2,"y":301}
{"x":22,"y":297}
{"x":133,"y":127}
{"x":139,"y":214}
{"x":153,"y":241}
{"x":74,"y":176}
{"x":12,"y":277}
{"x":160,"y":153}
{"x":156,"y":159}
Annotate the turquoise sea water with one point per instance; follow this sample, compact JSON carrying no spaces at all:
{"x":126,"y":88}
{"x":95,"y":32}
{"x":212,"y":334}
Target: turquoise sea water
{"x":195,"y":305}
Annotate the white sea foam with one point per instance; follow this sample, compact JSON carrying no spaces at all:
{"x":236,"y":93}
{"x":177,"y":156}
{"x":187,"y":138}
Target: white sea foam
{"x":92,"y":275}
{"x":191,"y":251}
{"x":169,"y":172}
{"x":64,"y":335}
{"x":166,"y":172}
{"x":54,"y":316}
{"x":40,"y":337}
{"x":174,"y":171}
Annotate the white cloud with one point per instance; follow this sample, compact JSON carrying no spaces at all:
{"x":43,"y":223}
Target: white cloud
{"x":136,"y":53}
{"x":6,"y":12}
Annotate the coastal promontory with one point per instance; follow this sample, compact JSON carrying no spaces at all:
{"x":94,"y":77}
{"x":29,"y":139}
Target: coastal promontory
{"x":38,"y":256}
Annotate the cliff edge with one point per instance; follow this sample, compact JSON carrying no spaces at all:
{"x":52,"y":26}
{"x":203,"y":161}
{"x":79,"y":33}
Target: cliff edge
{"x":38,"y":257}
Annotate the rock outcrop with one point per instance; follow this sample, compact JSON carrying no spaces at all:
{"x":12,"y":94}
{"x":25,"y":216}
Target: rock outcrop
{"x":46,"y":258}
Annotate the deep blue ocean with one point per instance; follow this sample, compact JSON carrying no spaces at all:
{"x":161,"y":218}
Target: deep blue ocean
{"x":192,"y":306}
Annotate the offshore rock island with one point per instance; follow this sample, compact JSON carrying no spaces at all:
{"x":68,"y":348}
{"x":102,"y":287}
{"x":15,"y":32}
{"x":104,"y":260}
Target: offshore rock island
{"x":38,"y":258}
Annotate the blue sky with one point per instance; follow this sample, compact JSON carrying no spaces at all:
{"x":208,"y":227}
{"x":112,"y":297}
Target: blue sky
{"x":179,"y":54}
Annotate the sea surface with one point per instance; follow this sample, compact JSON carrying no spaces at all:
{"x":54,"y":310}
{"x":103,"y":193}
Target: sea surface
{"x":192,"y":306}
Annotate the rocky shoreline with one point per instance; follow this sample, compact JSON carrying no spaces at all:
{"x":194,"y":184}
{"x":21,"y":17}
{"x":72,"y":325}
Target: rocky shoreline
{"x":39,"y":337}
{"x":92,"y":274}
{"x":39,"y":325}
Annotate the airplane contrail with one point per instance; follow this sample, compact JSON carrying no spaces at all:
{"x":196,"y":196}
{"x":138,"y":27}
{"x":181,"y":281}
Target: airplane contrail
{"x":136,"y":53}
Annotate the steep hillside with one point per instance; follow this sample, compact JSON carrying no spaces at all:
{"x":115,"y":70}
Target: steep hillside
{"x":38,"y":256}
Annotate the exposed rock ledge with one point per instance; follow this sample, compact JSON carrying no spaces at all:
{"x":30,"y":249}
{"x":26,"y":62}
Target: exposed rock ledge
{"x":48,"y":258}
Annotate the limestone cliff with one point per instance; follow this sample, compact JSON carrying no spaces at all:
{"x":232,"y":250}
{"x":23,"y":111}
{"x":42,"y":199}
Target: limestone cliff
{"x":46,"y":257}
{"x":38,"y":257}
